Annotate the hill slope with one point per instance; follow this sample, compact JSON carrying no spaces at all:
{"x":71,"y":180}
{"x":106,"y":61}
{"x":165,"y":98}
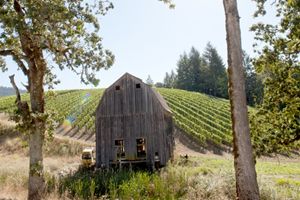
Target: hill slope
{"x":6,"y":91}
{"x":205,"y":118}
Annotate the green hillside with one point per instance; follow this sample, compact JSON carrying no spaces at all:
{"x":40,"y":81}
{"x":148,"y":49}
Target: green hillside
{"x":206,"y":118}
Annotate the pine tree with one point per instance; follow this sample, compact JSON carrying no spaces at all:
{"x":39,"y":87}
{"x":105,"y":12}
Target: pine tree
{"x":254,"y":85}
{"x":216,"y":77}
{"x":149,"y":81}
{"x":195,"y":67}
{"x":184,"y":73}
{"x":170,"y":81}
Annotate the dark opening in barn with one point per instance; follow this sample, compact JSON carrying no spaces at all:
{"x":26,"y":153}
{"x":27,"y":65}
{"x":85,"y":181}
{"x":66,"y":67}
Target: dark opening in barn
{"x":133,"y":125}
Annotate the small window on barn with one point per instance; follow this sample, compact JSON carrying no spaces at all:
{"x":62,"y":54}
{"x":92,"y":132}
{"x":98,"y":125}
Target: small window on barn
{"x":119,"y":144}
{"x":141,"y":147}
{"x":138,"y":85}
{"x":118,"y":87}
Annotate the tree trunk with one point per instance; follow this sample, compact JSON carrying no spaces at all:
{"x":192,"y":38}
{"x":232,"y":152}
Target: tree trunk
{"x":36,"y":179}
{"x":246,"y":183}
{"x":36,"y":184}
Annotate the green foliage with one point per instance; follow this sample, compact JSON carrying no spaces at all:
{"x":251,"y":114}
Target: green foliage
{"x":195,"y":178}
{"x":184,"y":73}
{"x":204,"y":73}
{"x":195,"y":70}
{"x":124,"y":185}
{"x":170,"y":80}
{"x":68,"y":30}
{"x":253,"y":82}
{"x":169,"y":3}
{"x":276,"y":124}
{"x":216,"y":78}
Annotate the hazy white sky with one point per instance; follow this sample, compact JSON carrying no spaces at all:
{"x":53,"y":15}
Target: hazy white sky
{"x":147,"y":37}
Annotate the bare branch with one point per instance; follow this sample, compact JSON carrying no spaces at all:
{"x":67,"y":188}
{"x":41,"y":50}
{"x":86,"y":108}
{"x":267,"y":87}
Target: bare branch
{"x":16,"y":58}
{"x":18,"y":8}
{"x":5,"y":52}
{"x":22,"y":105}
{"x":48,"y":44}
{"x":12,"y":81}
{"x":70,"y":64}
{"x":26,"y":86}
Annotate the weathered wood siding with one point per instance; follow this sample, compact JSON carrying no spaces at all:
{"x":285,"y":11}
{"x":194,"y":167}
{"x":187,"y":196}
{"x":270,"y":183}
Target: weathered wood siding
{"x":131,"y":113}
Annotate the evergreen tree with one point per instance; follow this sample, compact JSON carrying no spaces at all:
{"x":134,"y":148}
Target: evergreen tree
{"x":170,"y":81}
{"x":215,"y":77}
{"x":173,"y":79}
{"x":149,"y":81}
{"x":195,"y":67}
{"x":167,"y":81}
{"x":159,"y":85}
{"x":254,"y":85}
{"x":202,"y":74}
{"x":184,"y":71}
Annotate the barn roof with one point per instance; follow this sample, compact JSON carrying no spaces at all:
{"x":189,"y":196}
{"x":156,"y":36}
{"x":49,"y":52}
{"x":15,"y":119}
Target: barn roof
{"x":126,"y":75}
{"x":158,"y":96}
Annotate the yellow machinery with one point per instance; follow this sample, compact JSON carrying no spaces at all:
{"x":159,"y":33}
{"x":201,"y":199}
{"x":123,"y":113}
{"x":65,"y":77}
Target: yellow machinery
{"x":88,"y":158}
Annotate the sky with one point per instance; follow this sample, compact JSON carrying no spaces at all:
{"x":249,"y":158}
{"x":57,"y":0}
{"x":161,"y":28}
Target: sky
{"x":147,"y":38}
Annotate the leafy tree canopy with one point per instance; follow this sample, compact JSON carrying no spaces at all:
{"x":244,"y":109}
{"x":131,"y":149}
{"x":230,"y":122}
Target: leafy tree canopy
{"x":66,"y":30}
{"x":276,"y":125}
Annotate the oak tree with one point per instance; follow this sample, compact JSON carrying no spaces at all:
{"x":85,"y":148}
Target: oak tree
{"x":66,"y":31}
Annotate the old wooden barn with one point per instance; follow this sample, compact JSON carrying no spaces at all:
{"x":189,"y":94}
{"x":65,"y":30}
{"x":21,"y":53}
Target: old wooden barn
{"x":133,"y":125}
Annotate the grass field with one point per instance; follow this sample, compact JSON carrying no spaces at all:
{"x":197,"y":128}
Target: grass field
{"x":201,"y":176}
{"x":198,"y":178}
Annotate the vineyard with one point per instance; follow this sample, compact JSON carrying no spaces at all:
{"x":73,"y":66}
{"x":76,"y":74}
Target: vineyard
{"x":204,"y":117}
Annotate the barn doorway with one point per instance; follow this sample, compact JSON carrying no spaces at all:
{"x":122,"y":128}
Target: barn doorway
{"x":141,"y":147}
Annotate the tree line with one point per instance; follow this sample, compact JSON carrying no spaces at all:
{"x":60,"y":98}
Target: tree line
{"x":207,"y":74}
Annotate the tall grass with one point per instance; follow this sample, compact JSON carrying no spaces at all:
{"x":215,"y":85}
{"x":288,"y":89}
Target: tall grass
{"x":173,"y":182}
{"x":123,"y":184}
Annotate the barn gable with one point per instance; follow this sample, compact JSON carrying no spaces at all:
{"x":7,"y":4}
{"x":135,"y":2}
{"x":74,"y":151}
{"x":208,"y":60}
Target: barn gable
{"x":130,"y":95}
{"x":131,"y":116}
